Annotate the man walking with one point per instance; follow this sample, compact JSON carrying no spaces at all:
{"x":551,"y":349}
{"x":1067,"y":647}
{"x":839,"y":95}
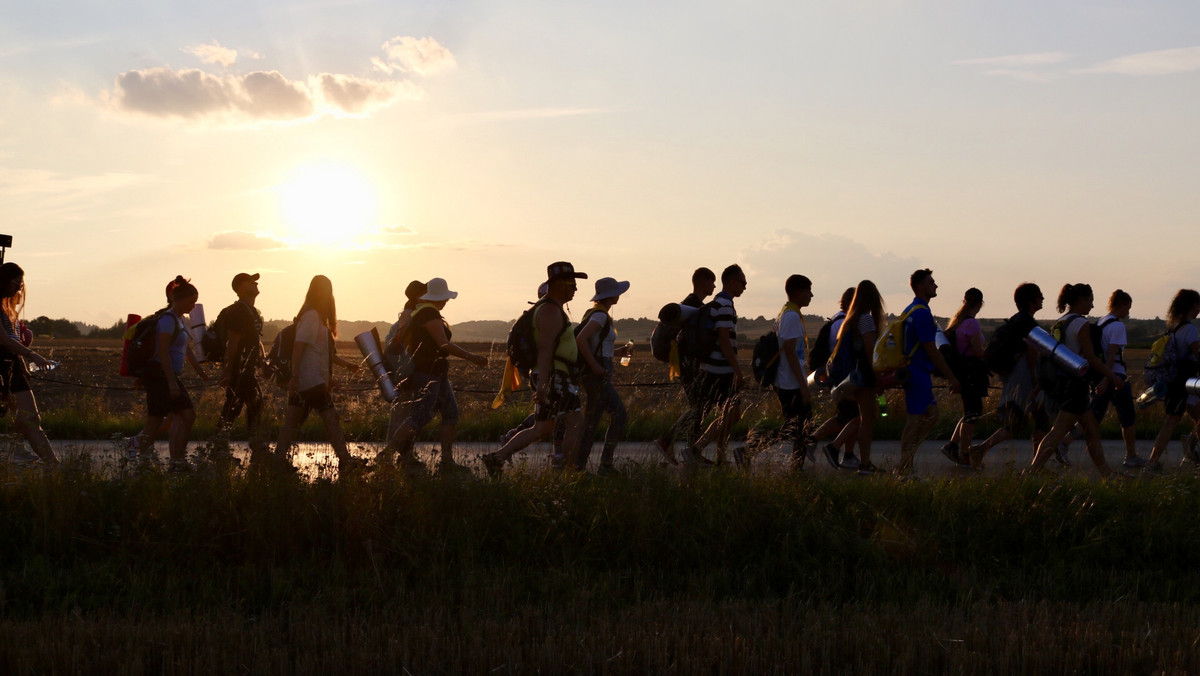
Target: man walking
{"x":920,"y":330}
{"x":242,"y":324}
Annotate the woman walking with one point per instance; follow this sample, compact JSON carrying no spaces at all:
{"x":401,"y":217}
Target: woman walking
{"x":14,"y":359}
{"x":168,"y":405}
{"x":1183,"y":311}
{"x":313,"y":357}
{"x":596,"y":338}
{"x":972,"y":372}
{"x":428,"y":391}
{"x":1070,"y":392}
{"x":852,"y":359}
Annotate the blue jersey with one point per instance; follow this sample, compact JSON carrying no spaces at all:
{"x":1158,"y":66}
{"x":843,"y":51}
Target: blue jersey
{"x":919,"y":328}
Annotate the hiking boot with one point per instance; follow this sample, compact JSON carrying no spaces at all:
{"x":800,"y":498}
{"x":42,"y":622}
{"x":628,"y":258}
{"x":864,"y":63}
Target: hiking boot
{"x":1134,"y":461}
{"x":492,"y":463}
{"x":850,"y":461}
{"x":833,"y":454}
{"x":1060,"y":454}
{"x":667,"y":449}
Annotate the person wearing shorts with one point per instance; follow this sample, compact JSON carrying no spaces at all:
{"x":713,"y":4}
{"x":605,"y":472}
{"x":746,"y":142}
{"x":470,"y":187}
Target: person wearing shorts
{"x":966,"y":345}
{"x":428,"y":391}
{"x":167,"y":400}
{"x":242,"y":324}
{"x":1071,"y":391}
{"x":920,"y":331}
{"x":14,"y":357}
{"x":556,"y":393}
{"x":313,"y":357}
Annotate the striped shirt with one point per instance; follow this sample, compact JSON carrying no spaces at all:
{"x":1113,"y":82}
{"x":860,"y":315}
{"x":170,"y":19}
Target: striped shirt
{"x":724,"y":317}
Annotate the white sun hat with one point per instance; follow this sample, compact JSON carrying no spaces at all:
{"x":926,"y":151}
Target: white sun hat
{"x":436,"y":289}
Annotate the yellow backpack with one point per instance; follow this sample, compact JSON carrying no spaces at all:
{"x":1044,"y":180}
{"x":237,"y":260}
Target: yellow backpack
{"x":890,"y":353}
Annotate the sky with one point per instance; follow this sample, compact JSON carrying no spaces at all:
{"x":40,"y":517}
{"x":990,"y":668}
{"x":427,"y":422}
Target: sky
{"x":380,"y":142}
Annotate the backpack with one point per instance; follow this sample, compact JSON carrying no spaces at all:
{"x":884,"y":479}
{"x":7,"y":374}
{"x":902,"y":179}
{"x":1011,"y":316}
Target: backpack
{"x":890,"y":352}
{"x":764,"y":362}
{"x":820,"y":353}
{"x":666,"y":331}
{"x":396,"y":356}
{"x":604,"y":330}
{"x":216,"y":337}
{"x":1162,"y":367}
{"x":1004,"y":349}
{"x":1051,"y":377}
{"x":279,"y":357}
{"x":143,"y":343}
{"x":521,"y":345}
{"x":698,"y":336}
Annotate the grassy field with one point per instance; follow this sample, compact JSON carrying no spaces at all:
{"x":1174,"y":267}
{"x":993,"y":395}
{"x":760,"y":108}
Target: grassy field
{"x":87,"y":399}
{"x":232,"y":571}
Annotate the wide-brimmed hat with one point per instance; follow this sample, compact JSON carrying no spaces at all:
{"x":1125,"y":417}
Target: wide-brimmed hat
{"x":415,"y":290}
{"x":437,"y":290}
{"x":242,"y":277}
{"x":563,"y":270}
{"x":607,"y":287}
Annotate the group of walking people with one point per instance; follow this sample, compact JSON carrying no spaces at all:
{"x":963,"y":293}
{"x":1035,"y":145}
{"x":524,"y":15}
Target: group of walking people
{"x":570,"y":369}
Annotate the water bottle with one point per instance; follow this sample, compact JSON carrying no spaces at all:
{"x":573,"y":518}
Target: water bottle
{"x":883,"y":406}
{"x":37,"y":368}
{"x":628,"y":353}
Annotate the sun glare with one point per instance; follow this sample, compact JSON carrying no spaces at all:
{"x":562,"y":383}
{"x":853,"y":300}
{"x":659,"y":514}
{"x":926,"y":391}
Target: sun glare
{"x":327,"y":204}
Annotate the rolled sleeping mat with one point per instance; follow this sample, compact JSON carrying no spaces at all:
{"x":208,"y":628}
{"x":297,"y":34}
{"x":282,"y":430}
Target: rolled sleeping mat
{"x":196,"y":328}
{"x":1046,"y":344}
{"x":675,"y":314}
{"x":1192,"y":386}
{"x":368,"y":344}
{"x":130,"y":322}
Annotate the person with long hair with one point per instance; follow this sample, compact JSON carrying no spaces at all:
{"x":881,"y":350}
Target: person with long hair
{"x":846,"y":409}
{"x":168,"y":405}
{"x":14,"y":359}
{"x":1070,"y":394}
{"x":428,"y":390}
{"x":1113,"y":339}
{"x":313,"y":357}
{"x":852,"y":357}
{"x":597,"y":339}
{"x":966,"y":344}
{"x":1180,"y":329}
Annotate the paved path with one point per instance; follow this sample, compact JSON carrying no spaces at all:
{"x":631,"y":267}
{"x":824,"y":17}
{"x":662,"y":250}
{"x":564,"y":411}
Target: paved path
{"x":310,"y":457}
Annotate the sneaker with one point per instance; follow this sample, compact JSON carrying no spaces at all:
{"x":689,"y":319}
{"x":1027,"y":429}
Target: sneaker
{"x":492,"y":463}
{"x":558,"y":461}
{"x":850,"y":461}
{"x":179,"y":466}
{"x":951,"y":451}
{"x":810,"y":448}
{"x":667,"y":449}
{"x":975,"y":456}
{"x":410,"y":462}
{"x":1155,"y":467}
{"x":867,"y":469}
{"x":131,"y":448}
{"x":608,"y":471}
{"x":833,"y":454}
{"x":1060,"y":454}
{"x":1189,"y":448}
{"x":691,"y":456}
{"x":1134,"y":461}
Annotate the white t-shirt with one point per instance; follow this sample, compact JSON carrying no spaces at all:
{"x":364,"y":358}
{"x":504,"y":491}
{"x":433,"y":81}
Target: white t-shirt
{"x":1113,"y":333}
{"x":606,"y":347}
{"x":789,"y":326}
{"x":313,"y":369}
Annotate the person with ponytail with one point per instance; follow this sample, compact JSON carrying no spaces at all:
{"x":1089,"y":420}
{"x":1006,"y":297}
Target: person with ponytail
{"x":313,"y":357}
{"x":1070,"y":394}
{"x":852,"y":354}
{"x":15,"y":357}
{"x":168,"y":405}
{"x":966,"y":343}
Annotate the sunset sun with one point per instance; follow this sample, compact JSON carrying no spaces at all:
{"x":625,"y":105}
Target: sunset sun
{"x":326,"y":204}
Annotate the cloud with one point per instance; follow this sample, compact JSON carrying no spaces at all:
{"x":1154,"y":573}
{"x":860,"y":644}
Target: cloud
{"x":397,"y":230}
{"x":213,"y":53}
{"x":1162,"y":62}
{"x":192,"y":94}
{"x":357,"y":96}
{"x":422,"y":56}
{"x":1016,"y":60}
{"x":247,"y":241}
